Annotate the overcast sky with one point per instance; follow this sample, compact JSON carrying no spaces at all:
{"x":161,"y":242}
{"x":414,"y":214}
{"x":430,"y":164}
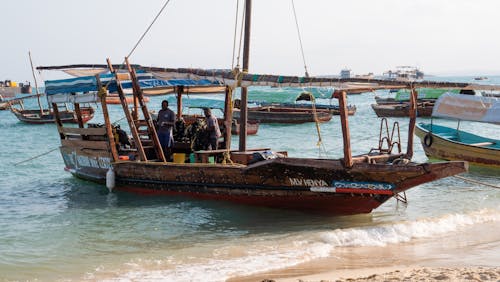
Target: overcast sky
{"x":439,"y":36}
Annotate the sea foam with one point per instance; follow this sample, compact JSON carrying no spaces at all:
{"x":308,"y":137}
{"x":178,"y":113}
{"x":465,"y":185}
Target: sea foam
{"x":277,"y":253}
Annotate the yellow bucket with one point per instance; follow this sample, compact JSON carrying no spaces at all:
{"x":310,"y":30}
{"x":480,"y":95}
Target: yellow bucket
{"x":179,"y":158}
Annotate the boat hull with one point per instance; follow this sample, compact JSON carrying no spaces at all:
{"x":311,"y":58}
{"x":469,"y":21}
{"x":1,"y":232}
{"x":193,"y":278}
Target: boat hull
{"x":334,"y":109}
{"x":443,"y":148}
{"x":67,"y":116}
{"x":284,"y":115}
{"x":313,"y":185}
{"x":402,"y":110}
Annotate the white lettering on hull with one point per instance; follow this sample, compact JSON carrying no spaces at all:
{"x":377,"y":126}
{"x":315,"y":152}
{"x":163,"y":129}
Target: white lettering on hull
{"x":77,"y":161}
{"x":307,"y":182}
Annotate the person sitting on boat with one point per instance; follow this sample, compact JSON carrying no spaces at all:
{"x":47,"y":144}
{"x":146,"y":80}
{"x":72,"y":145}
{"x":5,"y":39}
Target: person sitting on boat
{"x":165,"y":122}
{"x":212,"y":128}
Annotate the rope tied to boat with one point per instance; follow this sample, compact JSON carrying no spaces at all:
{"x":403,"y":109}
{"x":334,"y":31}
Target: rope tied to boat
{"x":476,"y":182}
{"x":37,"y":156}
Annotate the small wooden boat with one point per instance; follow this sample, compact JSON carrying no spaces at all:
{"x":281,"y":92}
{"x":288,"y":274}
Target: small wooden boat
{"x":67,"y":116}
{"x":454,"y":144}
{"x":334,"y":109}
{"x":114,"y":99}
{"x":273,"y":114}
{"x":424,"y":109}
{"x":451,"y":144}
{"x":252,"y":127}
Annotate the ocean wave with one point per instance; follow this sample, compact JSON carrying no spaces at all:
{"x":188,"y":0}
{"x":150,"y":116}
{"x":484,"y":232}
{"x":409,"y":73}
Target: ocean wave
{"x":266,"y":254}
{"x":406,"y":231}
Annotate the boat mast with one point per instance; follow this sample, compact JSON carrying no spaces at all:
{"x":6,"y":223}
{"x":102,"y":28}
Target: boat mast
{"x":36,"y":84}
{"x":413,"y":118}
{"x":244,"y":89}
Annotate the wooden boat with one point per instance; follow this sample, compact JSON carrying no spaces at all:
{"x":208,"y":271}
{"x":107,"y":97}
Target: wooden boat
{"x":334,"y":109}
{"x":454,"y":144}
{"x":252,"y":127}
{"x":274,"y":114}
{"x":451,"y":144}
{"x":349,"y":185}
{"x":66,"y":116}
{"x":6,"y":104}
{"x":424,"y":109}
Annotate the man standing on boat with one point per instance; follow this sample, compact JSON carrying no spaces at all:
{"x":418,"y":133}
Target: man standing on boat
{"x":212,"y":129}
{"x":165,"y":121}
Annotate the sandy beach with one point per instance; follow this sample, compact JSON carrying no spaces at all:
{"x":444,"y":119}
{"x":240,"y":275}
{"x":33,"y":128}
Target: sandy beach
{"x":402,"y":273}
{"x":406,"y":274}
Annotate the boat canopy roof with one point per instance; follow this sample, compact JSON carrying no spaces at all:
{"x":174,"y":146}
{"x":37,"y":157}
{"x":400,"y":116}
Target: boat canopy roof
{"x":82,"y":89}
{"x":467,"y":107}
{"x":234,"y":78}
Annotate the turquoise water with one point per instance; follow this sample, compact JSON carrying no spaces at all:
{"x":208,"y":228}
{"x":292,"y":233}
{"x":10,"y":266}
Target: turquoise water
{"x":56,"y":227}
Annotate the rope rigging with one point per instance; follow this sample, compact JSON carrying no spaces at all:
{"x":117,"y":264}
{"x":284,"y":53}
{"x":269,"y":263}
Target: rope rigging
{"x":235,"y":31}
{"x":147,"y":30}
{"x":300,"y":40}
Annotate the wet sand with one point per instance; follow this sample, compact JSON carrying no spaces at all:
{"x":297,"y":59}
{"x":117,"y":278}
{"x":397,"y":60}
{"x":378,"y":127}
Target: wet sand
{"x":469,"y":255}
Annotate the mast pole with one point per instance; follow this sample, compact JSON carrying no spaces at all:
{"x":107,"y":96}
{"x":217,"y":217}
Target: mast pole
{"x":36,"y":84}
{"x":244,"y":89}
{"x":345,"y":129}
{"x":413,"y":119}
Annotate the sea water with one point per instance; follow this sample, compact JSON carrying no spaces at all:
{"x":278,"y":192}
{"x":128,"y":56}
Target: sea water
{"x":56,"y":227}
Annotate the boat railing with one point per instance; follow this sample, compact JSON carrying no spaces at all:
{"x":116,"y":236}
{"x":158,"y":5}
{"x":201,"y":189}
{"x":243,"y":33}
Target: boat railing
{"x":387,"y":141}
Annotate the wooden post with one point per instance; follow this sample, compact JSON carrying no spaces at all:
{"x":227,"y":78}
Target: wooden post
{"x":126,"y":111}
{"x":149,"y":122}
{"x":228,"y":117}
{"x":107,"y":122}
{"x":244,"y":90}
{"x":58,"y":121}
{"x":78,"y":113}
{"x":345,"y":129}
{"x":413,"y":121}
{"x":179,"y":89}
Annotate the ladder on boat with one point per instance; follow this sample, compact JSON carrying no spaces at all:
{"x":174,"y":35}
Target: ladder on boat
{"x":143,"y":130}
{"x":389,"y":140}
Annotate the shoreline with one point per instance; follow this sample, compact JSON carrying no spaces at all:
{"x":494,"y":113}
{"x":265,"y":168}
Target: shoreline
{"x":458,"y":256}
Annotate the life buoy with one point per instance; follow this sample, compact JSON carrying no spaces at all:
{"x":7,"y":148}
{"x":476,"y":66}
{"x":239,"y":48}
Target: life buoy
{"x":428,"y":139}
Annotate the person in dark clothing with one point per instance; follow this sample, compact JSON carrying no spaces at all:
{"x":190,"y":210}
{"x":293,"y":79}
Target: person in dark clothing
{"x":165,"y":122}
{"x":212,"y":129}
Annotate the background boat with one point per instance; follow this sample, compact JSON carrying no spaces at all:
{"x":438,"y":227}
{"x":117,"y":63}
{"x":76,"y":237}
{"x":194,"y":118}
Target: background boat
{"x":274,"y":114}
{"x":424,"y":109}
{"x":449,"y":143}
{"x":47,"y":116}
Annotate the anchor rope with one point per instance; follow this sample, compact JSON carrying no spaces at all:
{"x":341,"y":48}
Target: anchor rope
{"x":476,"y":182}
{"x":37,"y":156}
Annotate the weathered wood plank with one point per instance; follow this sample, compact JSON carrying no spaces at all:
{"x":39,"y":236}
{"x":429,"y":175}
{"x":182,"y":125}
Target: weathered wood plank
{"x":83,"y":131}
{"x":100,"y":145}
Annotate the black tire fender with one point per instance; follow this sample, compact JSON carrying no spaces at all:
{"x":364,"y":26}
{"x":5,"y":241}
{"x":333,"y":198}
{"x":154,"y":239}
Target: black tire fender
{"x":428,"y":140}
